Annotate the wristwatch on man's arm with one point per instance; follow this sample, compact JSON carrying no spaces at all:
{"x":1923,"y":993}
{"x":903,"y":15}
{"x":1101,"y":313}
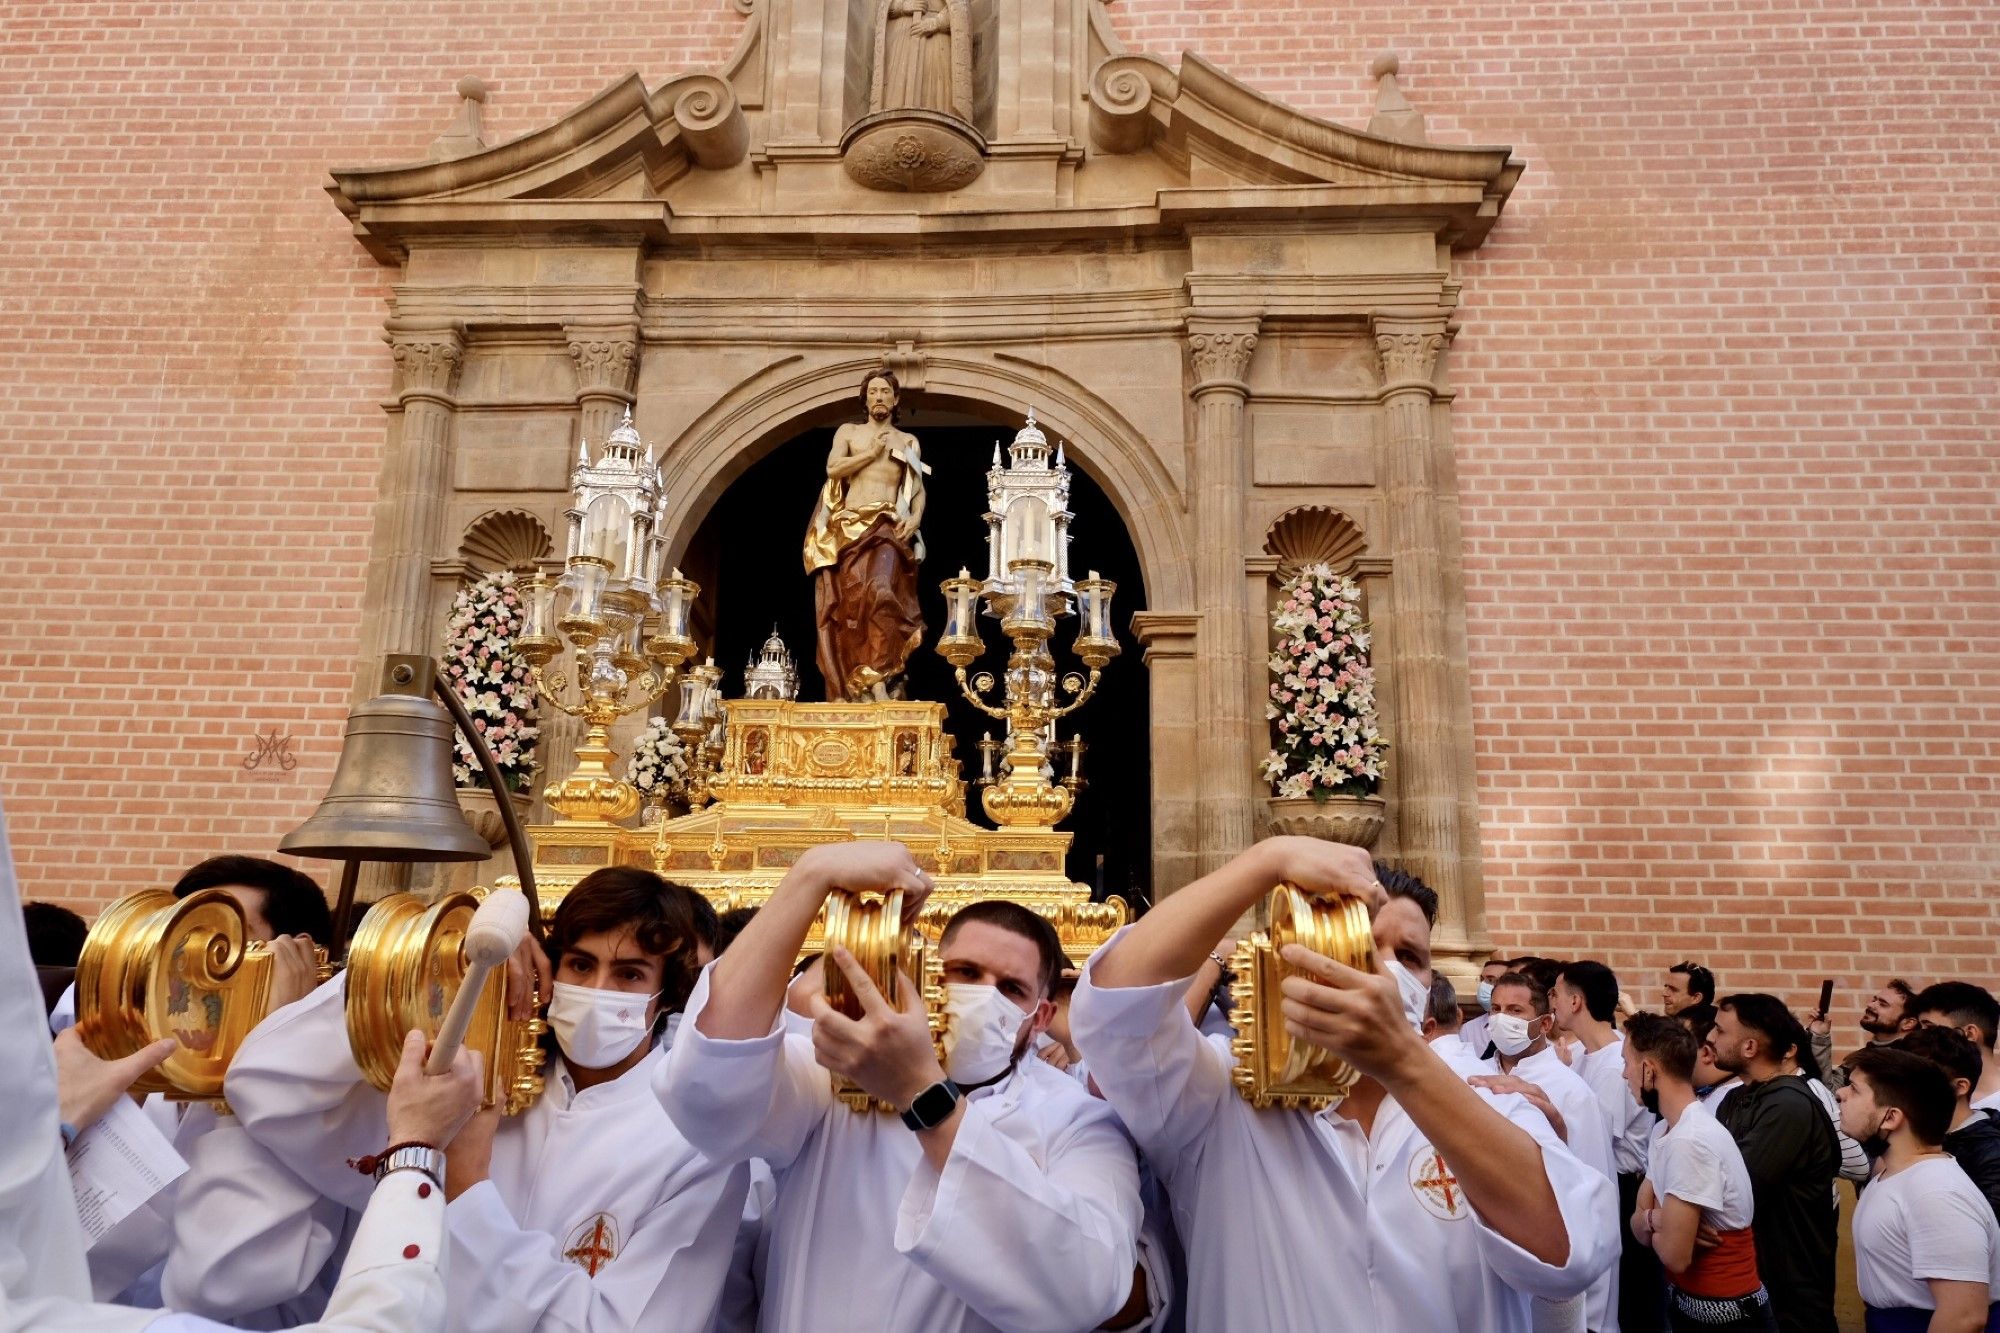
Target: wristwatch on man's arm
{"x":933,"y":1106}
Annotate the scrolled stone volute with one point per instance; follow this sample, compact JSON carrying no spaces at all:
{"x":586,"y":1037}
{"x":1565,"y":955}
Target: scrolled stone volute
{"x":710,"y":118}
{"x":1124,"y":93}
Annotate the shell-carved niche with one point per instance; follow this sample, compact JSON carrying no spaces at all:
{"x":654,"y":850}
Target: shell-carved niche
{"x":504,"y":539}
{"x":1314,"y":535}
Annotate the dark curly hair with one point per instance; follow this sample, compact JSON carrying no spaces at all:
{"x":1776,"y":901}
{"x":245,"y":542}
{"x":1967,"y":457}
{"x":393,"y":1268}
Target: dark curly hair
{"x":661,"y":915}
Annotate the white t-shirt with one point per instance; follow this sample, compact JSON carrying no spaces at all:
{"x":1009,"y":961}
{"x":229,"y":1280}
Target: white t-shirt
{"x":1991,"y":1103}
{"x":1926,"y":1221}
{"x":1697,"y":1160}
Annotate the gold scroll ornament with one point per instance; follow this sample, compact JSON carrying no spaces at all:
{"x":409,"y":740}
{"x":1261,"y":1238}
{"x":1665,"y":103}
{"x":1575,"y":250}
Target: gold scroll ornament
{"x":158,"y":966}
{"x":1274,"y":1070}
{"x":403,"y":968}
{"x":869,"y":925}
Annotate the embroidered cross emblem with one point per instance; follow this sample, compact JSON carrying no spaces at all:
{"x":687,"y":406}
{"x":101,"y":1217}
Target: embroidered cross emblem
{"x":593,"y":1244}
{"x":1435,"y":1186}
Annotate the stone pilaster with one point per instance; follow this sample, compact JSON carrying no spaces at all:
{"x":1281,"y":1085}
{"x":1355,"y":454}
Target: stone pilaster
{"x":605,"y":357}
{"x":1425,"y":754}
{"x":1220,"y":351}
{"x":416,"y":479}
{"x":1168,"y":638}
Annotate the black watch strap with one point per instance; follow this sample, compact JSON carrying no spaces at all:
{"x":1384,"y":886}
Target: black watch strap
{"x":933,"y":1106}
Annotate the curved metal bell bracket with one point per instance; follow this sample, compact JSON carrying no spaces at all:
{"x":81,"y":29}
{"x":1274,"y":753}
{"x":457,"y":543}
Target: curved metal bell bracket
{"x":869,"y":925}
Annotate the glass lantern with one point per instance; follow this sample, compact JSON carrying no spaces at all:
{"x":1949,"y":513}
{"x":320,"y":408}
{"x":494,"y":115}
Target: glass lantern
{"x":960,"y":643}
{"x":672,"y":641}
{"x":1096,"y":644}
{"x":1029,"y":615}
{"x":587,"y":579}
{"x":539,"y":643}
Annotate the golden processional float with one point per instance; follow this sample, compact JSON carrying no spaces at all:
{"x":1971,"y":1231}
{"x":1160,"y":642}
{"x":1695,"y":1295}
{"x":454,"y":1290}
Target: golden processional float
{"x":770,"y":777}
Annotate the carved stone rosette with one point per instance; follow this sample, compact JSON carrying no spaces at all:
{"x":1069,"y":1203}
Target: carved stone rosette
{"x":913,"y":152}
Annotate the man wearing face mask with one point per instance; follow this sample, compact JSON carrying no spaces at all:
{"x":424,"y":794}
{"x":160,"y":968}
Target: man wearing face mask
{"x":587,"y":1213}
{"x":1417,"y":1205}
{"x":1474,"y":1031}
{"x":1519,"y":1030}
{"x":1003,"y":1196}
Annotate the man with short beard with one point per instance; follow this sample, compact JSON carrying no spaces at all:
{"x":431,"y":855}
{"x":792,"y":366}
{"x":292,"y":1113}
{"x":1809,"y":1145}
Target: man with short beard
{"x":1003,"y":1196}
{"x":1791,"y":1152}
{"x":1887,"y":1016}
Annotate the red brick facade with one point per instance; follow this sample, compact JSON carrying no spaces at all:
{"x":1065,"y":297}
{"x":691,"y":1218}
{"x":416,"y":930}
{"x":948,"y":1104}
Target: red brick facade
{"x":1724,"y":424}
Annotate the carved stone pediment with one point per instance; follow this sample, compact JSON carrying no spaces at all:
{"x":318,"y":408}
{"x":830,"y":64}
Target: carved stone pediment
{"x":1073,"y":133}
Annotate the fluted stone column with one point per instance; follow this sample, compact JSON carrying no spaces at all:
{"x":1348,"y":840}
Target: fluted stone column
{"x":1221,"y":351}
{"x":416,"y":479}
{"x":1425,"y":754}
{"x":605,"y":357}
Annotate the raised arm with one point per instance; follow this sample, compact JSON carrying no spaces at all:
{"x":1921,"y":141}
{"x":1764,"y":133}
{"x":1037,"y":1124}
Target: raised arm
{"x":1173,"y":940}
{"x":747,"y":984}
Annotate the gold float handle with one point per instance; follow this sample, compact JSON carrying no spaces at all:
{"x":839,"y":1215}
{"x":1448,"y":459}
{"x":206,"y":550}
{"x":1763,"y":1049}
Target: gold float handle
{"x":1336,"y":928}
{"x":868,"y":925}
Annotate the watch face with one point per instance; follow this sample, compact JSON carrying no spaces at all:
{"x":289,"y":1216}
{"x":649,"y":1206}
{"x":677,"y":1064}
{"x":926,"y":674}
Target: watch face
{"x":934,"y":1103}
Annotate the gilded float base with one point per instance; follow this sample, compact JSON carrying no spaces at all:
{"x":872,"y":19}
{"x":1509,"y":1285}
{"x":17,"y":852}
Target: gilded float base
{"x":794,"y":776}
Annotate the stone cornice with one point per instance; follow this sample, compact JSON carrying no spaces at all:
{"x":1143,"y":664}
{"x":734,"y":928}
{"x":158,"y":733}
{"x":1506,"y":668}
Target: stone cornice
{"x":1166,"y":634}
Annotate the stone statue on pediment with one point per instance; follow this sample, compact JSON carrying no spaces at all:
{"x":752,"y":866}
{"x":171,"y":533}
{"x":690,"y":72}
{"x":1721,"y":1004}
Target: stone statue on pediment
{"x":923,"y":57}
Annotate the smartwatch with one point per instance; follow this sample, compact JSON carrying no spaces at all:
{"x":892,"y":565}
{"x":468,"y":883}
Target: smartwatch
{"x":933,"y":1105}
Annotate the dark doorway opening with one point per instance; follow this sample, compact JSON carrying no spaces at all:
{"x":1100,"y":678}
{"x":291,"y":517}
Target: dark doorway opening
{"x":746,"y":555}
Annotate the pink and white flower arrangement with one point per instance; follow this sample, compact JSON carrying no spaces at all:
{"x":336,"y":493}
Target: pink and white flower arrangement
{"x":659,"y":762}
{"x":492,"y":678}
{"x":1322,"y":704}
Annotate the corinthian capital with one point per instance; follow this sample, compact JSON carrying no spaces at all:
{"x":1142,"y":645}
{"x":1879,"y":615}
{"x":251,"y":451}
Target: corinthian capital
{"x":1409,"y":352}
{"x":428,"y":356}
{"x":1221,"y":353}
{"x":605,"y":358}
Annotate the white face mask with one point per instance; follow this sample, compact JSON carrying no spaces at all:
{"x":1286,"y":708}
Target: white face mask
{"x":1486,"y":997}
{"x":1416,"y":995}
{"x":1511,"y":1034}
{"x":598,"y":1028}
{"x":985,"y":1027}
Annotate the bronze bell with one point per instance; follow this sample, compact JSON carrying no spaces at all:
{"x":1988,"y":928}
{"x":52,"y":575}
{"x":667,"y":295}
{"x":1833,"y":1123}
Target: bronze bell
{"x":392,"y":797}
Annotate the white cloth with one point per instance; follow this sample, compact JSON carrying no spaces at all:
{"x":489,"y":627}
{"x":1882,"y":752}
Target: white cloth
{"x":523,"y":1239}
{"x":1697,"y":1160}
{"x":1716,"y":1094}
{"x":1631,"y":1124}
{"x":1854,"y":1164}
{"x":737,"y":1312}
{"x":1589,"y":1141}
{"x":1032,"y":1224}
{"x":1926,"y":1221}
{"x":125,"y":1262}
{"x":1295,"y":1220}
{"x":1988,"y":1103}
{"x":1451,"y":1049}
{"x":598,"y":1215}
{"x":252,"y":1243}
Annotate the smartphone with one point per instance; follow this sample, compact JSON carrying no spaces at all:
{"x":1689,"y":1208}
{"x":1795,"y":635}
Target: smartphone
{"x":1826,"y":998}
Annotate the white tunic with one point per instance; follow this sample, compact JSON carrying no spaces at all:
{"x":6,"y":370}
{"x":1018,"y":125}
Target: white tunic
{"x":599,"y":1177}
{"x":1589,"y":1140}
{"x":1630,"y":1124}
{"x":1303,"y":1221}
{"x":1464,"y":1061}
{"x":1031,"y":1225}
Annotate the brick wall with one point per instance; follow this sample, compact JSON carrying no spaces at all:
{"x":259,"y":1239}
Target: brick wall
{"x":1724,"y":430}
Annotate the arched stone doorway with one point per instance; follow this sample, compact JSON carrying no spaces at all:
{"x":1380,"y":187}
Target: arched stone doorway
{"x":744,"y":551}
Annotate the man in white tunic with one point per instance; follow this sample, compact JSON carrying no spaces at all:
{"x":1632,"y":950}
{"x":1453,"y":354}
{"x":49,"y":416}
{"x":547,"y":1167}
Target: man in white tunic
{"x":1520,"y":1028}
{"x":589,"y":1212}
{"x":1418,"y":1204}
{"x":1005,"y":1197}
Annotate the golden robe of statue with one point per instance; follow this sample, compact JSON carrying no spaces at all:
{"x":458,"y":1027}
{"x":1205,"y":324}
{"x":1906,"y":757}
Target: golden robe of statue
{"x":862,"y":549}
{"x":923,"y":57}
